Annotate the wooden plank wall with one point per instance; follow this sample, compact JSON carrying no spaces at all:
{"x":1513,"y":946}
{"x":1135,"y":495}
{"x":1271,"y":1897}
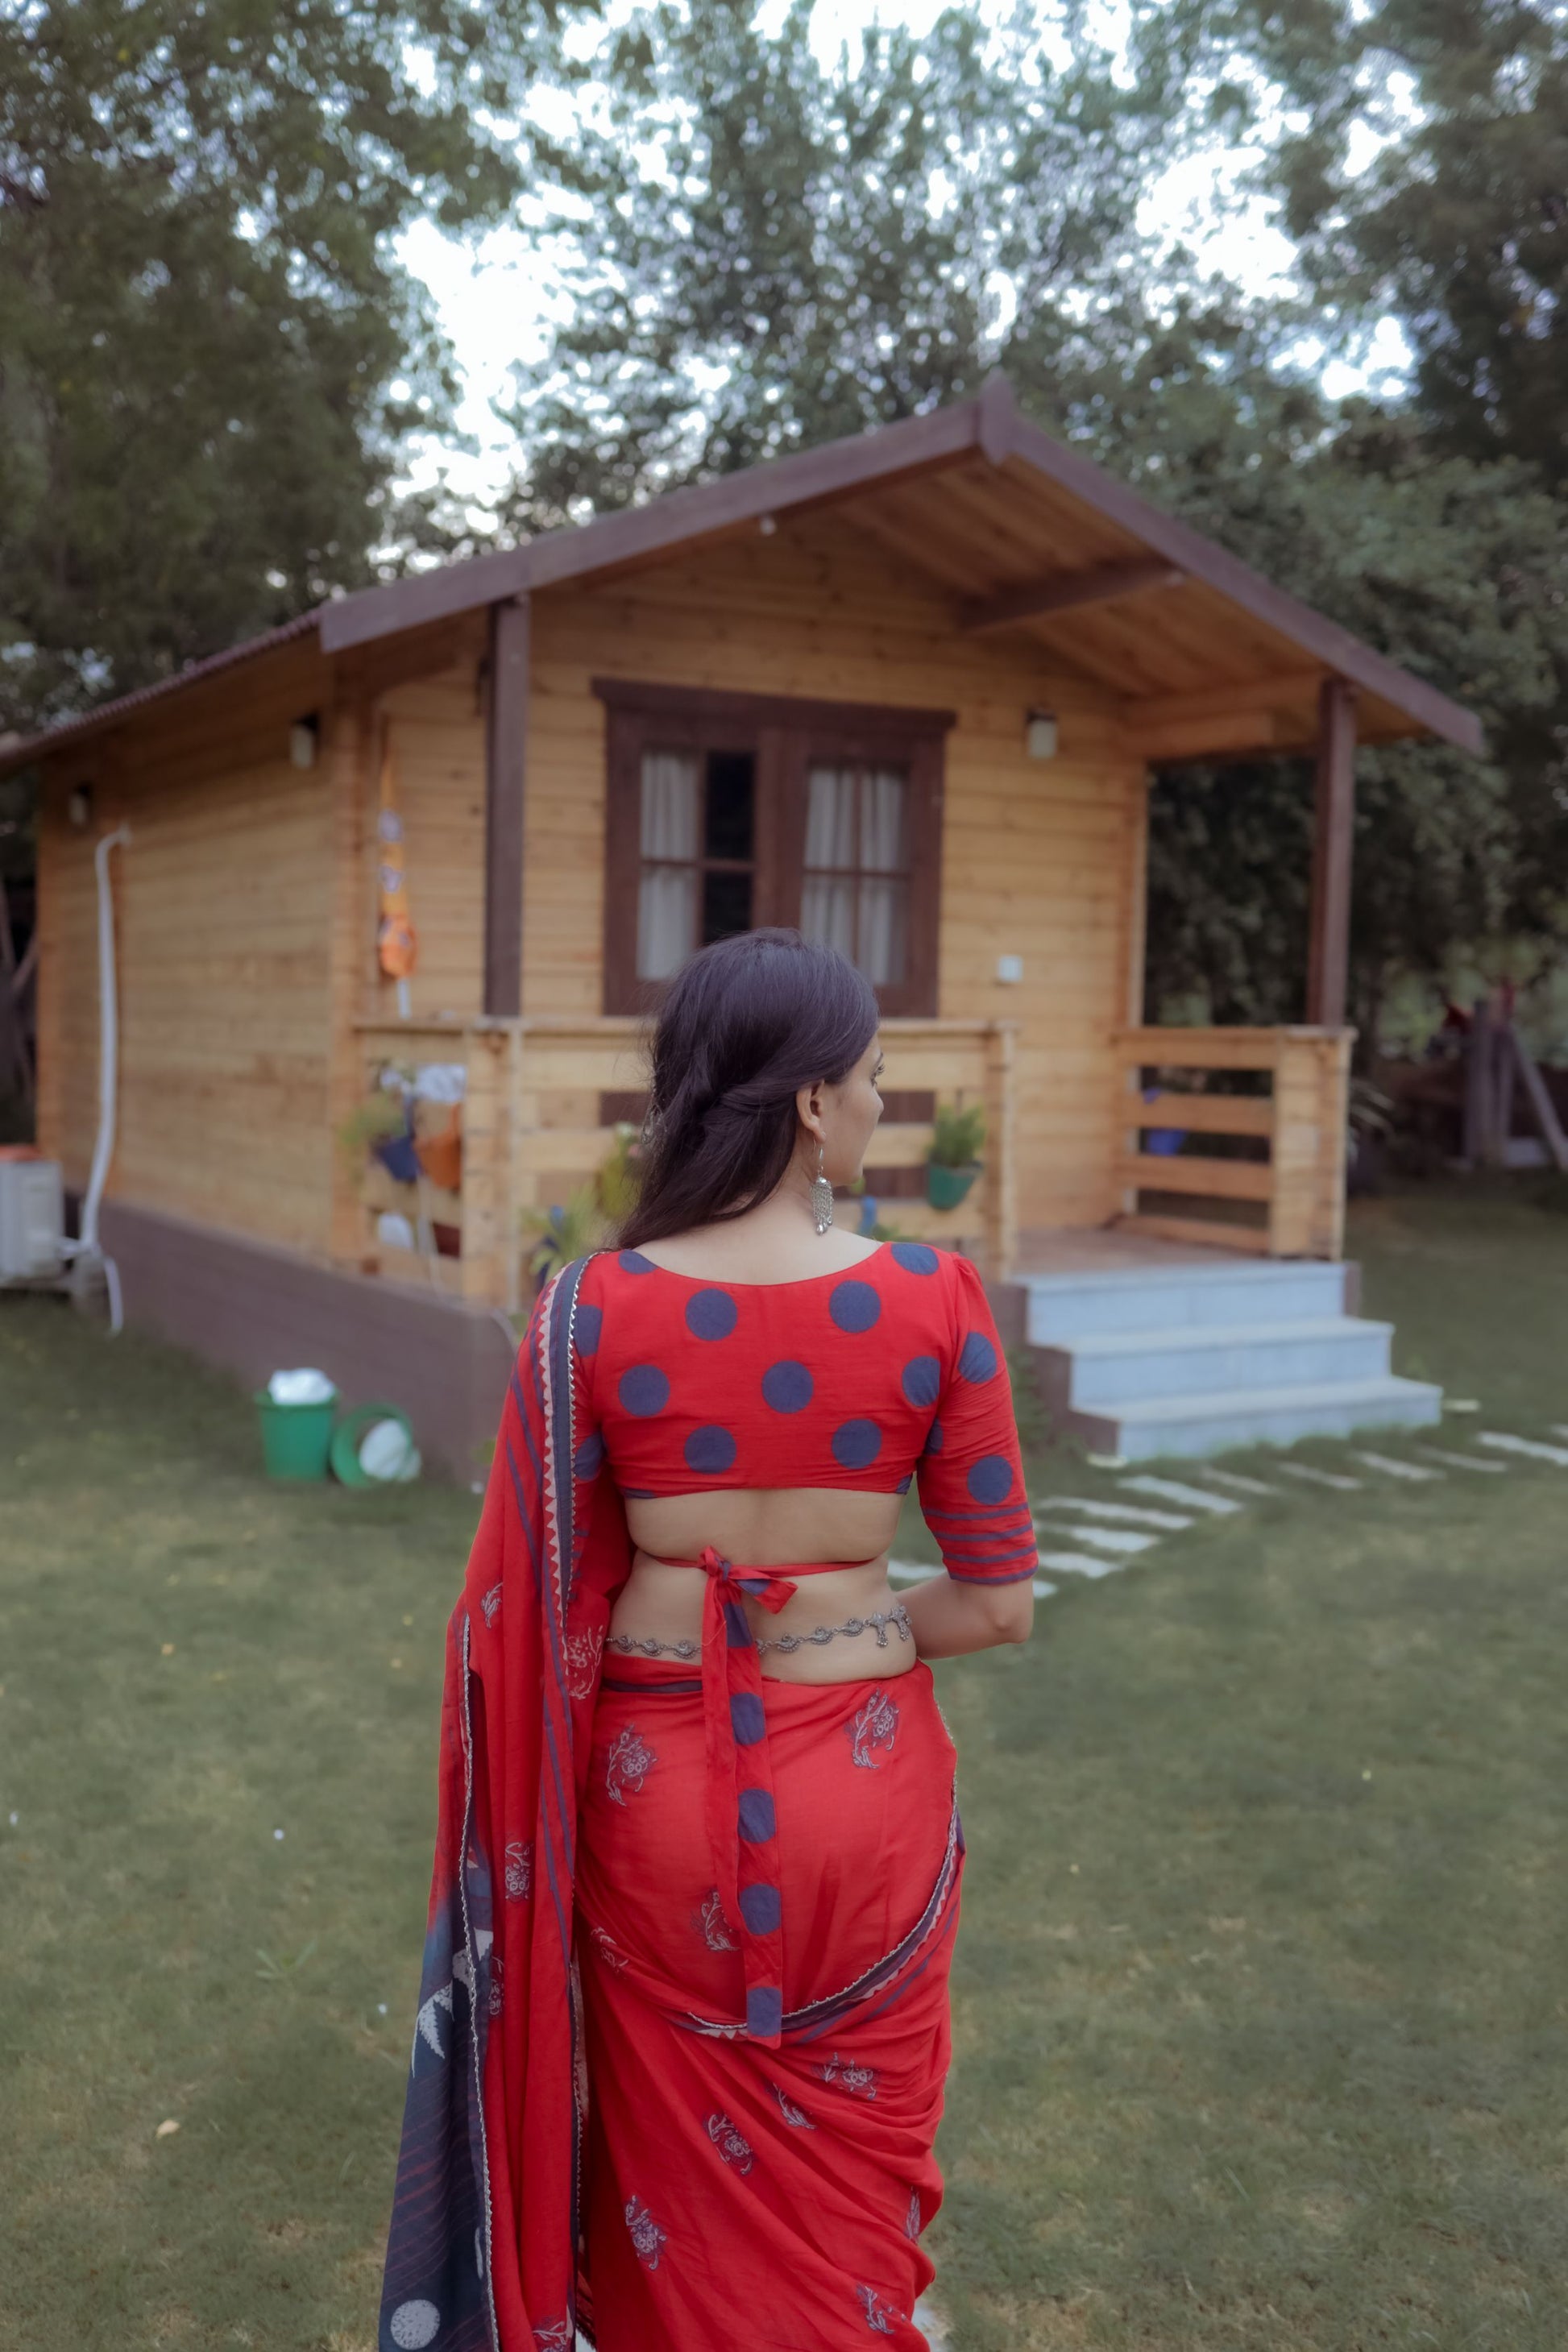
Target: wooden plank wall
{"x":1040,"y":856}
{"x":222,"y":909}
{"x":438,"y":752}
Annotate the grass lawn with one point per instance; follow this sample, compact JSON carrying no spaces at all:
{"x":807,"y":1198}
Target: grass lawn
{"x":1262,"y":2020}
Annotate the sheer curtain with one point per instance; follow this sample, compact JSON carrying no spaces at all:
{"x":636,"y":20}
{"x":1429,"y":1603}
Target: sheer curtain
{"x":667,"y":892}
{"x":856,"y":890}
{"x":884,"y":883}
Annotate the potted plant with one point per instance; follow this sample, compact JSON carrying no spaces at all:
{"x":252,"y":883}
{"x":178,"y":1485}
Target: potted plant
{"x":953,"y":1162}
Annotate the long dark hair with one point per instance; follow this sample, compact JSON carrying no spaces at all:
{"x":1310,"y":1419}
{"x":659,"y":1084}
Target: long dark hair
{"x":747,"y":1022}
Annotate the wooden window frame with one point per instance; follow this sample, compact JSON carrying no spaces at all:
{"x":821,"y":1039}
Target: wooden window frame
{"x":787,"y":737}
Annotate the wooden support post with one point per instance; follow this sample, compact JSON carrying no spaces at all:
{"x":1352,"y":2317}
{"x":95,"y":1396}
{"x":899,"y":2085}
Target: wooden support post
{"x":1328,"y":969}
{"x":347,"y":780}
{"x":1000,"y":1173}
{"x":506,"y":754}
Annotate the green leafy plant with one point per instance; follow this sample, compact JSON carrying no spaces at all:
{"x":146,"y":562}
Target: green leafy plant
{"x":380,"y":1115}
{"x":957,"y":1134}
{"x":570,"y":1229}
{"x":619,"y":1179}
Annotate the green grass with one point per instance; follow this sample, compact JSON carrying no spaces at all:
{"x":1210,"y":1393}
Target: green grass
{"x":1252,"y":2050}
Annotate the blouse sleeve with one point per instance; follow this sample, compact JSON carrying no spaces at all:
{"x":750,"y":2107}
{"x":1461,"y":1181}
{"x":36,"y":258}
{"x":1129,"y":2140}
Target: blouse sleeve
{"x":971,"y":1475}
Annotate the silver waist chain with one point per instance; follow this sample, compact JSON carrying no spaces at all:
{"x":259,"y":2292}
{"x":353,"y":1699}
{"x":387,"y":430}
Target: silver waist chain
{"x":636,"y":1645}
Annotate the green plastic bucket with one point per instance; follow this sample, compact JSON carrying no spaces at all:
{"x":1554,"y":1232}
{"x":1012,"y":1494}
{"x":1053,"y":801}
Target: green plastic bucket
{"x":349,"y":1435}
{"x":296,"y":1439}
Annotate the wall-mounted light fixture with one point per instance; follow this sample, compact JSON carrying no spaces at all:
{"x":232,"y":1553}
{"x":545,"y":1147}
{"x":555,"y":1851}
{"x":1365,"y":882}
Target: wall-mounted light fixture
{"x":304,"y":739}
{"x":767,"y":526}
{"x":1040,"y":734}
{"x":1009,"y":970}
{"x":78,"y":806}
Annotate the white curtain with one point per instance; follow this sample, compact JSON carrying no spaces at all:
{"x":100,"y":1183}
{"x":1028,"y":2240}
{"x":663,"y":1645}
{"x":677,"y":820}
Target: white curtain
{"x":856,"y":890}
{"x":667,"y":894}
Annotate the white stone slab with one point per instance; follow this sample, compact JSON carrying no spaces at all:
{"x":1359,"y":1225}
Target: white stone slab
{"x":1391,"y":1467}
{"x":1122,"y":1539}
{"x":914,"y":1571}
{"x":1174,"y":1491}
{"x":1141,"y":1512}
{"x":1532,"y":1447}
{"x":1334,"y":1479}
{"x":1237,"y":1483}
{"x":1463,"y":1461}
{"x":1077,"y":1563}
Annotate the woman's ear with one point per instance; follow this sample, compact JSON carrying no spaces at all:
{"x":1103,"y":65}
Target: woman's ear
{"x":808,"y":1109}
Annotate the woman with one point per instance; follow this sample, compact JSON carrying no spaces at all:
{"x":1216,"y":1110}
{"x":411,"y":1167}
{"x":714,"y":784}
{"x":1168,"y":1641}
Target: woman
{"x":684,"y":2022}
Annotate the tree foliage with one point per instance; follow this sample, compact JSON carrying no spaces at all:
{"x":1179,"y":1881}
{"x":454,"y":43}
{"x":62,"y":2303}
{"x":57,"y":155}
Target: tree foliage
{"x":208,"y":353}
{"x":773,"y":253}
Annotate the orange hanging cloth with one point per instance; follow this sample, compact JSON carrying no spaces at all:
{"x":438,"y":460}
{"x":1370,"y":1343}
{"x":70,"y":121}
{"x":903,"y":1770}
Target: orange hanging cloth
{"x":396,"y":948}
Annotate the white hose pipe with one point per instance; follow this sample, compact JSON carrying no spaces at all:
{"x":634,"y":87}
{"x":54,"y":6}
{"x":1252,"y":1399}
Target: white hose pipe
{"x":108,"y":1043}
{"x":87,"y":1245}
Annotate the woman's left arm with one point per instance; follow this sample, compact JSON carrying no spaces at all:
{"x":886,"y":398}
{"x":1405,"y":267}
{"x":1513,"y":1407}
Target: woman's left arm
{"x":974,"y":1495}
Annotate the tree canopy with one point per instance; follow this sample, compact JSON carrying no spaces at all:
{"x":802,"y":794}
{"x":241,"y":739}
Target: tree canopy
{"x":772,"y":252}
{"x":208,"y":351}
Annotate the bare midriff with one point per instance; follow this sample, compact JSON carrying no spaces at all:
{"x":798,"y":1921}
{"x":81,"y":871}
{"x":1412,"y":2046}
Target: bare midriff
{"x":662,"y":1599}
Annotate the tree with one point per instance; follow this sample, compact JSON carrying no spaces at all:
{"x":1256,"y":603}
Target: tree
{"x":1459,"y":224}
{"x":774,"y":254}
{"x":208,"y":351}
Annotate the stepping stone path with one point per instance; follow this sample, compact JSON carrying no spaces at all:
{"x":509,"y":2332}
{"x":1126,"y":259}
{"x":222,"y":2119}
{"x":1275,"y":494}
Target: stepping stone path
{"x":1532,"y":1447}
{"x":1096,"y":1510}
{"x":1175,"y":1491}
{"x":1077,"y":1563}
{"x":1392,"y":1468}
{"x":1123,"y":1539}
{"x":1462,"y":1460}
{"x":1321,"y":1477}
{"x":1109,"y":1543}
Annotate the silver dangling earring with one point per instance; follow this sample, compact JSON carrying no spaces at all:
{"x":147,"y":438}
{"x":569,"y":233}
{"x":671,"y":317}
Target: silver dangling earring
{"x":821,"y":1195}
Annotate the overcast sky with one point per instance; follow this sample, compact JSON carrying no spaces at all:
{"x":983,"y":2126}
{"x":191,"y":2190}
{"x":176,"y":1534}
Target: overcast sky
{"x":494,"y":296}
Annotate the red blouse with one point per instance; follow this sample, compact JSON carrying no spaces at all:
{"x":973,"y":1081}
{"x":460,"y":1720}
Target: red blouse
{"x":862,"y":1380}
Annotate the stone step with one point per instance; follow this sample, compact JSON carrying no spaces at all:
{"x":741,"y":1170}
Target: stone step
{"x":1211,"y":1423}
{"x":1061,"y":1309}
{"x":1113,"y":1368}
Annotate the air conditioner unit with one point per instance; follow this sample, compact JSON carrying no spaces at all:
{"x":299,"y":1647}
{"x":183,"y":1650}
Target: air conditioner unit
{"x":32,"y":1220}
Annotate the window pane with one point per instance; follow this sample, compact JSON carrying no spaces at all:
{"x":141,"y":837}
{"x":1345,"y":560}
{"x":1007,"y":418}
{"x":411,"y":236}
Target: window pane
{"x":731,"y":793}
{"x":827,"y":911}
{"x":667,"y":912}
{"x":884,"y":931}
{"x":830,"y":826}
{"x":884,"y":796}
{"x":726,"y":905}
{"x":668,"y":804}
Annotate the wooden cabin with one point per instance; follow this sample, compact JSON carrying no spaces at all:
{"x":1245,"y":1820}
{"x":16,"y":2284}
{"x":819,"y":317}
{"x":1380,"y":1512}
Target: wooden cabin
{"x":905,"y":691}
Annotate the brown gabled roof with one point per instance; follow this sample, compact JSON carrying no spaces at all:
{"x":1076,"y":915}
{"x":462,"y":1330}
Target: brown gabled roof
{"x":1201,"y":652}
{"x":70,"y":731}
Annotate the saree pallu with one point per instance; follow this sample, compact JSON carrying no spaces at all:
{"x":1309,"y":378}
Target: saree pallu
{"x":770,"y":2192}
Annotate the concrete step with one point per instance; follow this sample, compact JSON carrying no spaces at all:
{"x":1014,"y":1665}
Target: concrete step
{"x":1212,"y":1421}
{"x":1118,"y":1368}
{"x":1060,"y":1308}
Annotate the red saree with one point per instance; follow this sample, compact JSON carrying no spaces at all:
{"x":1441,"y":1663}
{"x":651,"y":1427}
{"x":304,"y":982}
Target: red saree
{"x":635,"y":2109}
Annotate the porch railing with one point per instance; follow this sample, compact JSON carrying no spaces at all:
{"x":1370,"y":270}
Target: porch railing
{"x":539,"y":1115}
{"x":1260,"y":1157}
